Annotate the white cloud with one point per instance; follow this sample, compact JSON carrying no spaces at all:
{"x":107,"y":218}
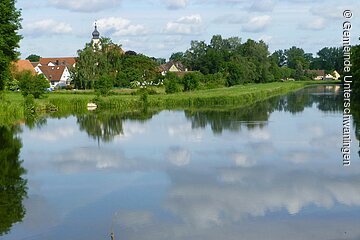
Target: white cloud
{"x":54,"y":134}
{"x":257,"y":24}
{"x":47,"y":27}
{"x":207,"y":202}
{"x":87,"y":159}
{"x":315,"y":24}
{"x":259,"y":134}
{"x":187,"y":25}
{"x":185,"y":131}
{"x":178,"y":156}
{"x":120,"y":27}
{"x":176,"y":4}
{"x":85,"y":5}
{"x":242,"y":160}
{"x":263,"y":6}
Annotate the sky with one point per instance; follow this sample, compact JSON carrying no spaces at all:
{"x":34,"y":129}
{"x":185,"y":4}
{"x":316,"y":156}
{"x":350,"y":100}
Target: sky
{"x":158,"y":28}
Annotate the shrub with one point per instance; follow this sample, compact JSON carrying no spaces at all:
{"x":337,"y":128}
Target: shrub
{"x":172,"y":83}
{"x":191,"y":81}
{"x":103,"y":85}
{"x":30,"y":84}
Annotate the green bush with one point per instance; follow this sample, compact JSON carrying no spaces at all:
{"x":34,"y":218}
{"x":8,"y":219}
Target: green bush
{"x":172,"y":83}
{"x":30,"y":84}
{"x":103,"y":85}
{"x":191,"y":81}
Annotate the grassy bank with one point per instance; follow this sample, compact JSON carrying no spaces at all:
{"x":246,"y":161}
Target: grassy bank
{"x":12,"y":104}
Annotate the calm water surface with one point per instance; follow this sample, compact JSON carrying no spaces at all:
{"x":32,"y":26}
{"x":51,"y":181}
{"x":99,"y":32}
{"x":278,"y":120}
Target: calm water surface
{"x":269,"y":171}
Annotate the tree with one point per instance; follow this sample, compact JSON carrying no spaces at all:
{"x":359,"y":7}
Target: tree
{"x":103,"y":85}
{"x":12,"y":184}
{"x":294,"y":56}
{"x":329,"y":59}
{"x":30,"y":84}
{"x":33,"y":58}
{"x":190,"y":81}
{"x":279,"y":57}
{"x":177,"y":57}
{"x":172,"y":83}
{"x":240,"y":71}
{"x":93,"y":63}
{"x":355,"y":72}
{"x":9,"y":37}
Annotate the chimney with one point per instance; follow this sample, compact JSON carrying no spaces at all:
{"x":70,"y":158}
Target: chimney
{"x":57,"y":62}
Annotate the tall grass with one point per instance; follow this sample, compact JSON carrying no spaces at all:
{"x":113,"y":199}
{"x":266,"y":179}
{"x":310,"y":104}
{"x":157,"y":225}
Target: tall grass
{"x":12,"y":104}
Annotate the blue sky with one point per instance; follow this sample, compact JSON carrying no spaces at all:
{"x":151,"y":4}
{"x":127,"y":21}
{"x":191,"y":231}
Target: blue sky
{"x":58,"y":28}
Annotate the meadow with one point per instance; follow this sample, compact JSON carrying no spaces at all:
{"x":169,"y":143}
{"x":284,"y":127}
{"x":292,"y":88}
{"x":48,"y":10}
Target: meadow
{"x":13,"y":107}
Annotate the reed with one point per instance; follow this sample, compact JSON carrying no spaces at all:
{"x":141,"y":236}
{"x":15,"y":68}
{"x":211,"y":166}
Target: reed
{"x":12,"y":104}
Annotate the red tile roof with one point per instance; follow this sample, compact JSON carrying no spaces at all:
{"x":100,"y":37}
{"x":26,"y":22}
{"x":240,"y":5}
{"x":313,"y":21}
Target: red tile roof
{"x":317,"y":72}
{"x":166,"y":67}
{"x":24,"y":65}
{"x":52,"y":73}
{"x":68,"y":61}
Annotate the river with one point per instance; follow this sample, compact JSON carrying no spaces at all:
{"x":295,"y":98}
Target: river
{"x":272,"y":170}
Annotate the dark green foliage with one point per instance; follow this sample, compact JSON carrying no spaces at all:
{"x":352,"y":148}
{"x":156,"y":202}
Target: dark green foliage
{"x":121,"y":80}
{"x":279,"y":58}
{"x":240,"y":63}
{"x":33,"y":58}
{"x":12,"y":184}
{"x":191,"y":81}
{"x":93,"y":63}
{"x":9,"y":37}
{"x":172,"y":83}
{"x":160,"y":61}
{"x":177,"y":57}
{"x":294,"y":56}
{"x":30,"y":84}
{"x":103,"y":85}
{"x":240,"y":72}
{"x":101,"y":126}
{"x":329,"y":59}
{"x":355,"y":72}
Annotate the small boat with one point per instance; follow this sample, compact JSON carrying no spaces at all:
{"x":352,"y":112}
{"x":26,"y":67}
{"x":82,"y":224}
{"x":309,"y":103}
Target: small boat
{"x":91,"y":106}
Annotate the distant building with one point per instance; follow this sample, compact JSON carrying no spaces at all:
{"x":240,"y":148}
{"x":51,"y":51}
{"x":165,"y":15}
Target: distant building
{"x":62,"y":61}
{"x":55,"y":74}
{"x":336,"y":75}
{"x":318,"y":74}
{"x":172,"y":66}
{"x":24,"y":65}
{"x":96,"y":38}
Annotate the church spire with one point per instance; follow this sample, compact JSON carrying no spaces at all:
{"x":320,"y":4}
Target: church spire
{"x":96,"y":34}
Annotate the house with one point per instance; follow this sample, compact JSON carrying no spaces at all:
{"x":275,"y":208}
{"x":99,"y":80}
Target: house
{"x":24,"y":65}
{"x":329,"y":77}
{"x":64,"y":61}
{"x":55,"y":74}
{"x":318,"y":74}
{"x":172,"y":66}
{"x":336,"y":75}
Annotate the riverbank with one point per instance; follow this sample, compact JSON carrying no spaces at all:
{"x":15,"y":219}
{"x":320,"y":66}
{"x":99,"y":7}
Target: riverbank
{"x":12,"y":104}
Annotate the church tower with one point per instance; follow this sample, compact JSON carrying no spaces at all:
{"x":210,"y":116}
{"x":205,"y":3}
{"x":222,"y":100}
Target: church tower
{"x":96,"y":38}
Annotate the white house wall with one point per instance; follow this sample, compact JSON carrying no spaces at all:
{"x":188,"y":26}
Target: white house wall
{"x":65,"y":76}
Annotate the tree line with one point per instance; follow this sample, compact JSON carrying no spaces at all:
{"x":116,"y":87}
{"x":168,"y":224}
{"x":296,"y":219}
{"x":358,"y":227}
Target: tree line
{"x":251,"y":61}
{"x":221,"y":62}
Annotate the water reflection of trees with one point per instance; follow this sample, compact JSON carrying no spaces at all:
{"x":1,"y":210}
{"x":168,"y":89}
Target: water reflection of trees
{"x":326,"y":99}
{"x":12,"y":184}
{"x":355,"y":110}
{"x":105,"y":126}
